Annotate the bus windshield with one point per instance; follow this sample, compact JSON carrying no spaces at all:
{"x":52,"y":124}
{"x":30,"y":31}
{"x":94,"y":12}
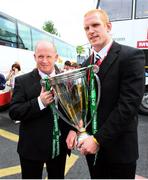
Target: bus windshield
{"x":115,"y":9}
{"x":141,"y":9}
{"x":125,"y":9}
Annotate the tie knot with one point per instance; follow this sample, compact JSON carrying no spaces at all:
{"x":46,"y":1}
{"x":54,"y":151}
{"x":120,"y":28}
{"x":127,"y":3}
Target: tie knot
{"x":97,"y":56}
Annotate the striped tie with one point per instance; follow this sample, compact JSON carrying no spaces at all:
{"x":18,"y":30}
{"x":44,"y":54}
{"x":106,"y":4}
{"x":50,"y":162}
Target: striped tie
{"x":98,"y":60}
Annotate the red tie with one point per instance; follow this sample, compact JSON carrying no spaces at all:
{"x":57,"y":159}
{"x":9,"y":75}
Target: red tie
{"x":98,"y":62}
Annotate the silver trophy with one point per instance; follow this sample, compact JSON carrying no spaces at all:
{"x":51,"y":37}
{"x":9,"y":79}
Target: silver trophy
{"x":72,"y":92}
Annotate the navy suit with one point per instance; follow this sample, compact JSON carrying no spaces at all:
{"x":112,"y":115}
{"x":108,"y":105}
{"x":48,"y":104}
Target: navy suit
{"x":122,"y":86}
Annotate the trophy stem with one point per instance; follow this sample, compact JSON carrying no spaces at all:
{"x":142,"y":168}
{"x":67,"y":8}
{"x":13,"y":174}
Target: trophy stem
{"x":82,"y":134}
{"x":82,"y":130}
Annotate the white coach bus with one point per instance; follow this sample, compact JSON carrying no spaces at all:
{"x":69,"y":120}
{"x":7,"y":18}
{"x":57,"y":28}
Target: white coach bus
{"x":17,"y":43}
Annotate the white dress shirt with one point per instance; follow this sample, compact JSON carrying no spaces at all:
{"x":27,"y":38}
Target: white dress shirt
{"x":103,"y":52}
{"x":43,"y":76}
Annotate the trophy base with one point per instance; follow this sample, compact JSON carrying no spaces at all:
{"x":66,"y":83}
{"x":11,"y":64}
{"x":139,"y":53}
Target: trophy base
{"x":83,"y":135}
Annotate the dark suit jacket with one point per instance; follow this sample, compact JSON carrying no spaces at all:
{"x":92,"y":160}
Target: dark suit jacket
{"x":122,"y":86}
{"x":35,"y":133}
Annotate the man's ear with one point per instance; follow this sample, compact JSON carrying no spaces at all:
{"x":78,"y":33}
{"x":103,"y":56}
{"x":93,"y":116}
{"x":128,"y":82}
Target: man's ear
{"x":109,"y":26}
{"x":34,"y":57}
{"x":56,"y":57}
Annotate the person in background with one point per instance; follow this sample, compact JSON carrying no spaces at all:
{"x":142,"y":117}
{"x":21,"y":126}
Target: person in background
{"x":14,"y":72}
{"x":67,"y":65}
{"x":112,"y":150}
{"x":79,"y":65}
{"x":74,"y":66}
{"x":42,"y":135}
{"x":2,"y":82}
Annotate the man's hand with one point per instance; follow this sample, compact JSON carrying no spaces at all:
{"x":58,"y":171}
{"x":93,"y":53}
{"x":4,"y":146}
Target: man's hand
{"x":88,"y":146}
{"x":46,"y":97}
{"x":71,"y":139}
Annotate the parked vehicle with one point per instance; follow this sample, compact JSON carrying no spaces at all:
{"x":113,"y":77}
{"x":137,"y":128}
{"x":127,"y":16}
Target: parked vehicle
{"x":5,"y":97}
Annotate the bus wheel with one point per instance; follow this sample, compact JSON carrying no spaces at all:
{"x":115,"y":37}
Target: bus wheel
{"x":144,"y":104}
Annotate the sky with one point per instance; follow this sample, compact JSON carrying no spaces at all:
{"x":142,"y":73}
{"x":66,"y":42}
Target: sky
{"x":67,"y":15}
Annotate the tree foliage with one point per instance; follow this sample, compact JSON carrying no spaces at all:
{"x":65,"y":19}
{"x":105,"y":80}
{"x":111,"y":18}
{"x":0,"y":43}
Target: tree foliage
{"x":80,"y":50}
{"x":49,"y":27}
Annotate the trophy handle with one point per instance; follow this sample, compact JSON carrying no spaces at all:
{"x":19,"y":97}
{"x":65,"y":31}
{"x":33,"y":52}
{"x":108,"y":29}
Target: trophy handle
{"x":98,"y":89}
{"x":98,"y":93}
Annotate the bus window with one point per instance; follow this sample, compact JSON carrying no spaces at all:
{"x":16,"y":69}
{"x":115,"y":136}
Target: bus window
{"x":73,"y":53}
{"x":117,"y":9}
{"x":61,"y":47}
{"x":7,"y":32}
{"x":141,"y":8}
{"x":24,"y":37}
{"x":65,"y":49}
{"x":15,"y":33}
{"x":38,"y":35}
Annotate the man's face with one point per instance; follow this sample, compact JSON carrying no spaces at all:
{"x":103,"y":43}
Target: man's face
{"x":97,"y":31}
{"x":45,"y":57}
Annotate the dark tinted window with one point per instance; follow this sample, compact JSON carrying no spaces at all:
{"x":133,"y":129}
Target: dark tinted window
{"x":141,"y":8}
{"x":24,"y":39}
{"x":7,"y":32}
{"x":117,"y":9}
{"x":38,"y":35}
{"x":64,"y":49}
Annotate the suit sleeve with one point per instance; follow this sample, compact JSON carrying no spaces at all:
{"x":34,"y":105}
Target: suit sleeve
{"x":22,"y":106}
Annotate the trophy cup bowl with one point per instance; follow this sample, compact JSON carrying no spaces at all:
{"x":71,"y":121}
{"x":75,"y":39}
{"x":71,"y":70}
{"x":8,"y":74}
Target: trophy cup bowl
{"x":72,"y":92}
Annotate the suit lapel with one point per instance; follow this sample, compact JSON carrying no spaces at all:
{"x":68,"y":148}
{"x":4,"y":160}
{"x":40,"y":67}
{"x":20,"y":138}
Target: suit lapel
{"x":36,"y":86}
{"x":109,"y":60}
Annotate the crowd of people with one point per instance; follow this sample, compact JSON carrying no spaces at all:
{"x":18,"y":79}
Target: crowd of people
{"x":68,"y":65}
{"x":112,"y":149}
{"x":15,"y":71}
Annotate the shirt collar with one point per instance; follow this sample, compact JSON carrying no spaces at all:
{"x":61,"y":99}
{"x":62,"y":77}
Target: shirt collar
{"x":103,"y":52}
{"x":43,"y":75}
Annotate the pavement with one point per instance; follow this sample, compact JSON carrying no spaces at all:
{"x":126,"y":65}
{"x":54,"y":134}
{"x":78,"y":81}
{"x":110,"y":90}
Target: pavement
{"x":76,"y":165}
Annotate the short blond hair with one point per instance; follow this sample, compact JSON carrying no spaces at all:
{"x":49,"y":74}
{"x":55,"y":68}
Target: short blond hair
{"x":46,"y":43}
{"x":103,"y":14}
